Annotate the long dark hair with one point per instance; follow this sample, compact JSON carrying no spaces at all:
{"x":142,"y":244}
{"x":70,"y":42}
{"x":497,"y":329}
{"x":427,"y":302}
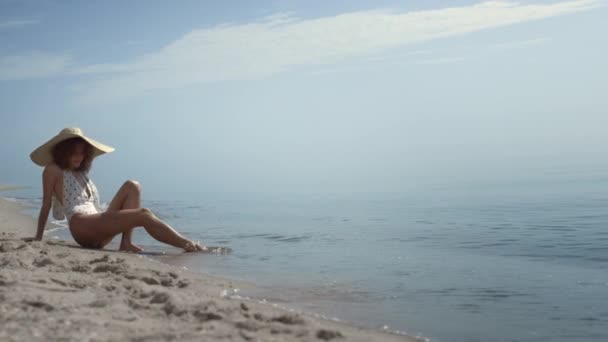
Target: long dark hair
{"x":64,"y":150}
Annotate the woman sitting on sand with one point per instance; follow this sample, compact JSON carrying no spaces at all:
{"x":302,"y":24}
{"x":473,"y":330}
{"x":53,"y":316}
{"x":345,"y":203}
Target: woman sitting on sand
{"x":66,"y":159}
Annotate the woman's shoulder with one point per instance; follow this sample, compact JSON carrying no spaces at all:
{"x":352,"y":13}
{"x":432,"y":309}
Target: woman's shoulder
{"x":52,"y":170}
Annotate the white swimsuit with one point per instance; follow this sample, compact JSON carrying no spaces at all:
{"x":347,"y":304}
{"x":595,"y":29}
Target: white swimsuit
{"x":75,"y":198}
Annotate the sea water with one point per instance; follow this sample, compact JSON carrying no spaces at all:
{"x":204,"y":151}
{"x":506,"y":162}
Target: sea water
{"x":512,"y":261}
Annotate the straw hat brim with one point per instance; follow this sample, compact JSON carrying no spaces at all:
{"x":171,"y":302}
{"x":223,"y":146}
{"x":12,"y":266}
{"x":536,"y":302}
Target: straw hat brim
{"x":43,"y":155}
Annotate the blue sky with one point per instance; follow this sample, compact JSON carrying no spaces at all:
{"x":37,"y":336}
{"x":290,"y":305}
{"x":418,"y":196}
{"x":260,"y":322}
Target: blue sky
{"x":308,"y":96}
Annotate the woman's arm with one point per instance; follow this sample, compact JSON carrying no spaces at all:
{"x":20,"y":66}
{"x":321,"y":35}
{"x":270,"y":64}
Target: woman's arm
{"x":49,"y":178}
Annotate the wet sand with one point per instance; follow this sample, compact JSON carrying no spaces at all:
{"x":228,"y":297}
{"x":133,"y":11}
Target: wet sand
{"x":55,"y":290}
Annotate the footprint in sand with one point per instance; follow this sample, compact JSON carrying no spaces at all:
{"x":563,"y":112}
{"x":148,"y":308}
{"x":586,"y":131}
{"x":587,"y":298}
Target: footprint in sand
{"x":81,"y":269}
{"x":38,"y":304}
{"x":13,"y":261}
{"x":289,"y":319}
{"x":22,"y":246}
{"x":42,"y":261}
{"x":165,"y":279}
{"x":6,"y":281}
{"x":104,"y":258}
{"x":99,"y":303}
{"x":247,"y":325}
{"x":6,"y":247}
{"x":57,"y":281}
{"x":133,"y":304}
{"x":110,"y":268}
{"x":327,"y":335}
{"x":160,"y":297}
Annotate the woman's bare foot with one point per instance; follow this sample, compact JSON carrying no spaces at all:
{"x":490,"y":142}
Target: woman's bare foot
{"x":130,"y":247}
{"x":195,"y":247}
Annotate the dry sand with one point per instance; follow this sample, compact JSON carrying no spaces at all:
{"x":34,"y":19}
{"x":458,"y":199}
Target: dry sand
{"x":55,"y":290}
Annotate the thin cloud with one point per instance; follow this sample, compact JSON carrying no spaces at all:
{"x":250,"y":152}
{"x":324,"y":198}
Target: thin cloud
{"x":283,"y":42}
{"x":372,"y":62}
{"x":11,"y":24}
{"x":32,"y":65}
{"x":520,"y":44}
{"x":443,"y":60}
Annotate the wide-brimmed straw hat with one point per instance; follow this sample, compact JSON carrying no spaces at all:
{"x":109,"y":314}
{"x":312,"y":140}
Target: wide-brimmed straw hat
{"x":43,"y":155}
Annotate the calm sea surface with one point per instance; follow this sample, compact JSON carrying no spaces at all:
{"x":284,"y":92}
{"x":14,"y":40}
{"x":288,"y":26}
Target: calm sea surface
{"x":509,"y":262}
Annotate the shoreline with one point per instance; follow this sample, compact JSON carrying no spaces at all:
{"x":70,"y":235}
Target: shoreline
{"x":105,"y":295}
{"x":4,"y":187}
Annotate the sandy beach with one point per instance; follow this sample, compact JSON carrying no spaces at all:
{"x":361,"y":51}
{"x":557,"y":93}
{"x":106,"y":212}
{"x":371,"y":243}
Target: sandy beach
{"x":55,"y":290}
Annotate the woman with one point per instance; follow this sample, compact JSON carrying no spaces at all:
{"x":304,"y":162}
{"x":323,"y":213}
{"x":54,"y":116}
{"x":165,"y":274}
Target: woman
{"x":66,"y":159}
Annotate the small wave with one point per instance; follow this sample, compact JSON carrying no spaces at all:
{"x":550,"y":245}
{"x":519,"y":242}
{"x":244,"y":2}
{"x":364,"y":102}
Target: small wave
{"x":589,"y":319}
{"x":484,"y":294}
{"x":54,"y":229}
{"x":569,"y":256}
{"x":274,"y":237}
{"x":10,"y":199}
{"x":295,"y":239}
{"x":598,"y":259}
{"x":469,"y":307}
{"x":424,"y":222}
{"x":496,"y":294}
{"x":249,"y":236}
{"x":283,"y":238}
{"x":494,"y":244}
{"x":60,"y":223}
{"x":559,"y":228}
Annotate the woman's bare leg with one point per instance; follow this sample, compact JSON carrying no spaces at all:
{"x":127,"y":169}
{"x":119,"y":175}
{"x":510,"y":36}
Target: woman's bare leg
{"x":127,"y":197}
{"x":99,"y":227}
